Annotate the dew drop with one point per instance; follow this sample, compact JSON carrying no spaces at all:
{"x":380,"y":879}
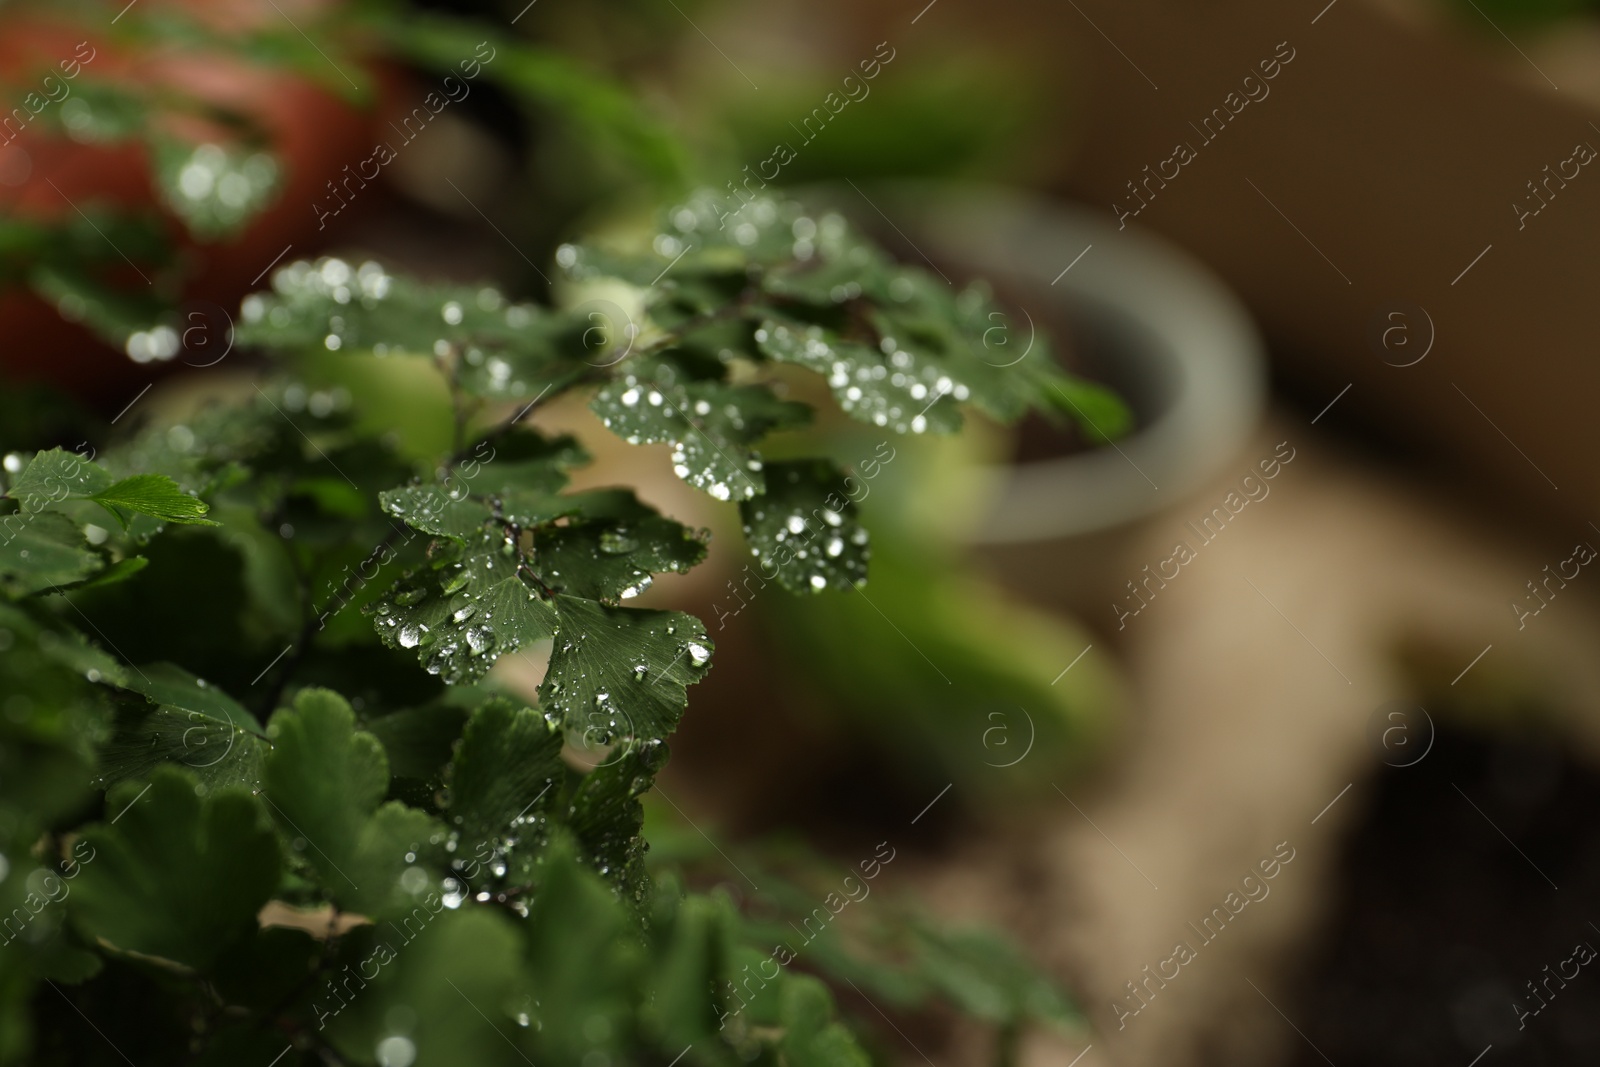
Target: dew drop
{"x":617,"y":542}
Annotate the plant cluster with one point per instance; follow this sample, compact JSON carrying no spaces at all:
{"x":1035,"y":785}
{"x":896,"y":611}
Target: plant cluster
{"x":262,"y":797}
{"x":247,"y":672}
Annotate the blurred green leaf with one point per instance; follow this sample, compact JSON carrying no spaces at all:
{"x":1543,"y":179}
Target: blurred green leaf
{"x":55,"y":476}
{"x":324,"y":781}
{"x":216,"y":189}
{"x":176,"y":874}
{"x":602,"y":108}
{"x":187,"y":722}
{"x":810,"y":1036}
{"x":42,"y":551}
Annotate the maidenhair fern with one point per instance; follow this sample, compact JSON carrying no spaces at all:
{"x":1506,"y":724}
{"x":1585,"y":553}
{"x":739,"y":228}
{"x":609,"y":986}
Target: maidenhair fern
{"x":246,"y":656}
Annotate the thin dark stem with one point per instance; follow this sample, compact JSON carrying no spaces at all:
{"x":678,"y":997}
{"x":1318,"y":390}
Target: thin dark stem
{"x":510,"y":423}
{"x":274,"y":1014}
{"x":737,"y":308}
{"x":301,"y":642}
{"x":1006,"y":1045}
{"x":449,"y":367}
{"x":308,"y":629}
{"x":304,"y":595}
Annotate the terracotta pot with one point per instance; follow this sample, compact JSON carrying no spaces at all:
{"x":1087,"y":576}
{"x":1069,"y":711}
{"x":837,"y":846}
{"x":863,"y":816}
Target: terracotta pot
{"x":313,"y":131}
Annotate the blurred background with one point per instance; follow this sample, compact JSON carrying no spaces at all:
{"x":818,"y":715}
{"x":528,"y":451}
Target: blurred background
{"x":1324,"y":612}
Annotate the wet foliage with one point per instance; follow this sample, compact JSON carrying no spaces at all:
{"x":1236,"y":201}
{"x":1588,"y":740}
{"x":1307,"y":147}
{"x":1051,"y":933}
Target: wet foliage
{"x":262,"y":797}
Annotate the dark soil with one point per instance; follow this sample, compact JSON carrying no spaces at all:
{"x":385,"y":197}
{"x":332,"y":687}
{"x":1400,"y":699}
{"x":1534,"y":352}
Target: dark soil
{"x":1440,"y":922}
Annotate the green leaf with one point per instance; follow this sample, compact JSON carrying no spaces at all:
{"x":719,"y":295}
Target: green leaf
{"x":323,"y":782}
{"x":54,"y":725}
{"x":155,"y":495}
{"x":469,"y":608}
{"x":899,"y":347}
{"x":612,"y":552}
{"x":692,"y":939}
{"x":842,"y":266}
{"x":603,"y":109}
{"x":517,"y":483}
{"x":709,"y":425}
{"x":886,"y":386}
{"x":418,"y":741}
{"x":81,"y":292}
{"x":456,"y":974}
{"x":985,"y":975}
{"x":57,"y":475}
{"x":805,"y":528}
{"x":69,"y":966}
{"x":219,"y":445}
{"x":42,"y":551}
{"x":324,"y":771}
{"x":115,"y":111}
{"x":811,"y":1037}
{"x":172,"y":686}
{"x":1100,"y":414}
{"x":622,"y":672}
{"x":997,"y":360}
{"x":391,"y":845}
{"x":606,"y":818}
{"x":175,"y":874}
{"x":119,"y":571}
{"x":505,"y":350}
{"x":582,"y":962}
{"x":191,"y":723}
{"x":215,"y":189}
{"x":507,"y":772}
{"x":437,"y":510}
{"x":705,"y":239}
{"x":65,"y":646}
